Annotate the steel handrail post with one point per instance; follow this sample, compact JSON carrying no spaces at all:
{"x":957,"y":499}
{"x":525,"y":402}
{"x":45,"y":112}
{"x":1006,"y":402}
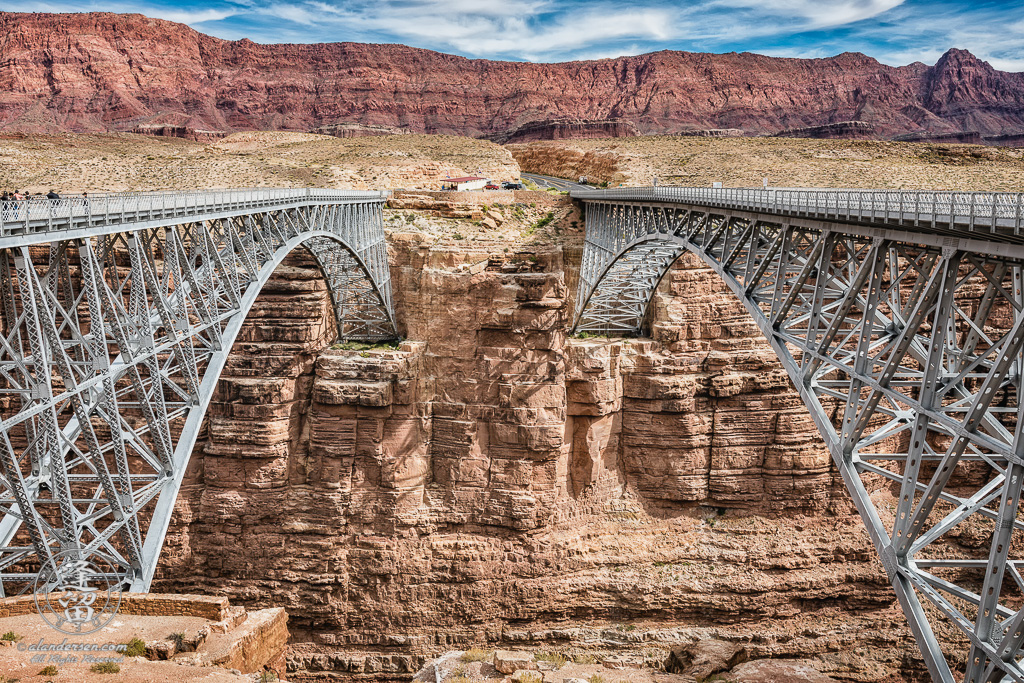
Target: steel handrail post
{"x":1019,"y":216}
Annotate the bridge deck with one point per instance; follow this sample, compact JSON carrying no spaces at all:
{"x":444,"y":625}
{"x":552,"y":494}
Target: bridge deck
{"x":995,"y":216}
{"x":35,"y":221}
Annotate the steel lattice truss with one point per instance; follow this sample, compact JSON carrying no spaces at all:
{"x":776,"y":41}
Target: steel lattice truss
{"x":112,"y":344}
{"x":907,"y":348}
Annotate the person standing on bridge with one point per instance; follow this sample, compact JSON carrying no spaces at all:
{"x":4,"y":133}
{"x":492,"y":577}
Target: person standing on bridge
{"x":52,"y":194}
{"x":19,"y":197}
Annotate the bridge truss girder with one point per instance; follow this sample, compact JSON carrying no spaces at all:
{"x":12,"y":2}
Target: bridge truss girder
{"x":110,"y":349}
{"x":908,"y":352}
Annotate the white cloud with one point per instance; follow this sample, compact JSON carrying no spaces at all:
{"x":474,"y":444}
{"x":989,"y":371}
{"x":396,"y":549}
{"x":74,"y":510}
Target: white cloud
{"x":483,"y":29}
{"x":580,"y":32}
{"x":176,"y":14}
{"x":815,"y":14}
{"x":187,"y":16}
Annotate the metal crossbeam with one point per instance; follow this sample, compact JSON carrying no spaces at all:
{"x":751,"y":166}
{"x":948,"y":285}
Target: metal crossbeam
{"x":118,"y":315}
{"x":905,"y":343}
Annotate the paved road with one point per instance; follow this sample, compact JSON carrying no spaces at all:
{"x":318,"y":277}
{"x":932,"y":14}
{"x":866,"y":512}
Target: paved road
{"x":544,"y":181}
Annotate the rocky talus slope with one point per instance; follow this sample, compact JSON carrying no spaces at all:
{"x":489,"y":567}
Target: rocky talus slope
{"x":101,"y":72}
{"x":492,"y":483}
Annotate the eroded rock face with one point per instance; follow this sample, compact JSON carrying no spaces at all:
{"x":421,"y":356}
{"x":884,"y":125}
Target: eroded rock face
{"x":567,"y":162}
{"x":493,"y":483}
{"x":103,"y":72}
{"x":561,"y":129}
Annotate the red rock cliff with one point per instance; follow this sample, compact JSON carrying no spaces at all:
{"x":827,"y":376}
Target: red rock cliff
{"x":495,"y":483}
{"x":99,"y":71}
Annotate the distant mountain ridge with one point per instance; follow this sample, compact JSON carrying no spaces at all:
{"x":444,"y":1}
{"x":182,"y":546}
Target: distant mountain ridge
{"x":96,"y":72}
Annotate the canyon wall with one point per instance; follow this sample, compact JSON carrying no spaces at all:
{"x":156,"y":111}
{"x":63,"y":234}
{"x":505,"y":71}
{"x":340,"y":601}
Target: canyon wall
{"x":562,"y":129}
{"x":94,"y":72}
{"x":567,"y":161}
{"x":492,"y":482}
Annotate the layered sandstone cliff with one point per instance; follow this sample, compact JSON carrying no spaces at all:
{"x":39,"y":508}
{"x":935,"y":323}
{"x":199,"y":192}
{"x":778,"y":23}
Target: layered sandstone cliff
{"x":568,"y":128}
{"x":103,"y":72}
{"x":493,"y":482}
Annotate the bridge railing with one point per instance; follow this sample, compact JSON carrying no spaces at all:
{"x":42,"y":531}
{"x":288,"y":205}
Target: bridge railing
{"x":987,"y":212}
{"x":40,"y":215}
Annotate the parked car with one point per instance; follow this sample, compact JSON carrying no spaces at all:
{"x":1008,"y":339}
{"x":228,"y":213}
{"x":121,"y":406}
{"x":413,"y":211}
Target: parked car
{"x":491,"y":186}
{"x":507,"y":185}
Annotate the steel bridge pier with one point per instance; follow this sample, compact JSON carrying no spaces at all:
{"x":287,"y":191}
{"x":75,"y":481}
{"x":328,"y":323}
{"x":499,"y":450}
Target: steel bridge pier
{"x":118,"y":314}
{"x":899,"y":317}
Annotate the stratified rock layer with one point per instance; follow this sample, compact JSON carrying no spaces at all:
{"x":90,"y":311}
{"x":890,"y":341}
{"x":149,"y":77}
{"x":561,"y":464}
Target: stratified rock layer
{"x":495,"y":483}
{"x":568,"y":128}
{"x":101,"y":72}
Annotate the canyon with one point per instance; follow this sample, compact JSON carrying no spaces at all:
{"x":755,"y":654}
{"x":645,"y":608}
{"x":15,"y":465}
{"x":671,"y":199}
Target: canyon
{"x":96,"y":72}
{"x":490,"y":482}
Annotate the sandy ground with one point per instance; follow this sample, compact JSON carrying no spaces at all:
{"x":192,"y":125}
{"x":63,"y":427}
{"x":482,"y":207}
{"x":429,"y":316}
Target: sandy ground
{"x":18,"y":662}
{"x":120,"y":162}
{"x":785,"y":162}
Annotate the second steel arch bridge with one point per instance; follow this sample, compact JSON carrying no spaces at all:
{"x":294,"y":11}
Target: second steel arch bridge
{"x":899,"y":317}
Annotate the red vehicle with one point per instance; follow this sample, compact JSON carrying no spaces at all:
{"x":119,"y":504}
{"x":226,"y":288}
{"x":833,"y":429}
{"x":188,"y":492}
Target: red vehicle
{"x":490,"y":186}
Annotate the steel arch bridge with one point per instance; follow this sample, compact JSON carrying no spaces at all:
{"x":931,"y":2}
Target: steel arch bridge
{"x":899,"y":317}
{"x":118,"y":314}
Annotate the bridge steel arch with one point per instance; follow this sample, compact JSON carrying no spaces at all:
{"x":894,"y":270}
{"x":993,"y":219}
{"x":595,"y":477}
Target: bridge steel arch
{"x":118,"y":314}
{"x":899,"y":318}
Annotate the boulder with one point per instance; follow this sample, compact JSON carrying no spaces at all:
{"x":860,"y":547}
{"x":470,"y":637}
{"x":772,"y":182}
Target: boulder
{"x":510,"y":661}
{"x":526,"y":676}
{"x":777,"y":671}
{"x":622,"y":662}
{"x":705,"y":658}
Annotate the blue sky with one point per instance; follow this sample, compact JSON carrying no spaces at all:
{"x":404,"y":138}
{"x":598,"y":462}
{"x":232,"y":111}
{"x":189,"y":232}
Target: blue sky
{"x":893,"y":31}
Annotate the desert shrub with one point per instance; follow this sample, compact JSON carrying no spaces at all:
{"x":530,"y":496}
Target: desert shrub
{"x":543,"y":222}
{"x":136,"y":647}
{"x":48,"y":670}
{"x":105,"y":668}
{"x":555,"y":658}
{"x":475,"y":654}
{"x":10,"y":636}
